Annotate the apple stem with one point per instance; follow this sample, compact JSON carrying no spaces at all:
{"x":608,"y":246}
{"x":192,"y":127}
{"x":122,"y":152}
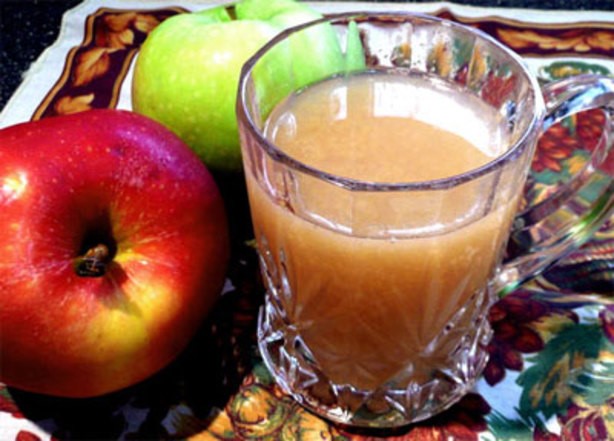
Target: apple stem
{"x":94,"y":262}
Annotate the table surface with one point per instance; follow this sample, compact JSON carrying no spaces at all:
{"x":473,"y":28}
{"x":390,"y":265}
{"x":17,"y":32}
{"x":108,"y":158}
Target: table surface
{"x":535,"y":335}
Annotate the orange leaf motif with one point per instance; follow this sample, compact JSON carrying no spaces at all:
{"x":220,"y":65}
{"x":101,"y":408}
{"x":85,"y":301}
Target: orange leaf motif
{"x":603,"y":40}
{"x":119,"y":22}
{"x":116,"y":31}
{"x":146,"y":23}
{"x":69,"y":104}
{"x":440,"y":59}
{"x":119,"y":40}
{"x":218,"y":428}
{"x":575,"y":41}
{"x":477,"y":66}
{"x":91,"y":64}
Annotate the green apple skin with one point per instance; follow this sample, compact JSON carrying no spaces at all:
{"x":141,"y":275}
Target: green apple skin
{"x":186,"y":77}
{"x":315,"y":54}
{"x":69,"y":185}
{"x":267,"y":9}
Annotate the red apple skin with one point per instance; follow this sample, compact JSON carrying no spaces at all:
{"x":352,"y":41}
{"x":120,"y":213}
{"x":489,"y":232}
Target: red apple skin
{"x":68,"y":182}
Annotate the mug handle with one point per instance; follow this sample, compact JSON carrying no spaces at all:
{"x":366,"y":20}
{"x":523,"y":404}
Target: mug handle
{"x":546,"y":231}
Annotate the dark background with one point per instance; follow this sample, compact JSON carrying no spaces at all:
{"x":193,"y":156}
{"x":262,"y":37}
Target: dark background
{"x":27,"y":27}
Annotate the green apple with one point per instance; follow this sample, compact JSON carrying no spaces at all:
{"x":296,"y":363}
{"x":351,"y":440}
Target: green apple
{"x":316,"y":53}
{"x":319,"y":43}
{"x":302,"y":58}
{"x":186,"y":77}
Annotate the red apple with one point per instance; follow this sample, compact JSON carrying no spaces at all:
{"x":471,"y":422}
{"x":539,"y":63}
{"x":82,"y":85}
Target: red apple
{"x":113,"y":247}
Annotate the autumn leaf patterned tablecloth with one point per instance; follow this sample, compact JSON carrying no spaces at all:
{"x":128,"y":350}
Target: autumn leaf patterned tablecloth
{"x":551,"y":369}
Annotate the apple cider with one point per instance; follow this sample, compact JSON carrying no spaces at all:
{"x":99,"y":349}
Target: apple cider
{"x":380,"y":285}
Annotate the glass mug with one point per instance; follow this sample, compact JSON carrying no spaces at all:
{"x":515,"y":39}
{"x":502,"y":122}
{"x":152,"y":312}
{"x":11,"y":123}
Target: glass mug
{"x":378,"y":292}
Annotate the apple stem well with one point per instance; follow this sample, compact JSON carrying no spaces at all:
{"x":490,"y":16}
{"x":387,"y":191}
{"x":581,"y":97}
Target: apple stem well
{"x":97,"y":249}
{"x":94,"y":262}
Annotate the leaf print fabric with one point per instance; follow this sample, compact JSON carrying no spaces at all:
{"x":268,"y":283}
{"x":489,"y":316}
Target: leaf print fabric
{"x":551,"y":369}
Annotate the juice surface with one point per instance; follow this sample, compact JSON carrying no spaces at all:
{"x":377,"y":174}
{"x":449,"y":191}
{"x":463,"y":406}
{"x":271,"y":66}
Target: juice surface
{"x":385,"y":128}
{"x":375,"y":278}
